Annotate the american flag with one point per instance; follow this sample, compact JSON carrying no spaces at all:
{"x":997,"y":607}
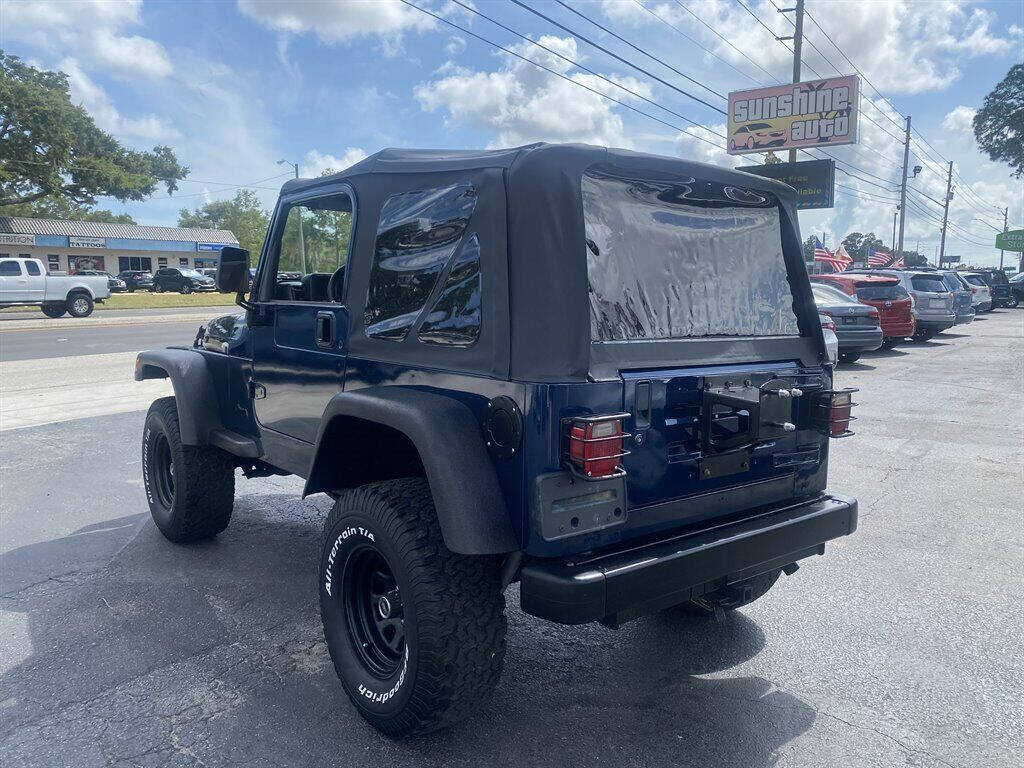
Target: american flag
{"x":882,"y":260}
{"x":839,"y":260}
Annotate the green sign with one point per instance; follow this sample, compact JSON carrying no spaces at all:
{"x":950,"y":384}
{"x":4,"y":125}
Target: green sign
{"x":813,"y":180}
{"x":1010,"y":241}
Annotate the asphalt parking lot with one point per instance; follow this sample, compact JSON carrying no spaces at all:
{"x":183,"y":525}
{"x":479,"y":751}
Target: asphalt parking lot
{"x":899,"y":647}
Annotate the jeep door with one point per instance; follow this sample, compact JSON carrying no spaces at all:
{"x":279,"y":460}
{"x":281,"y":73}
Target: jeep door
{"x":300,"y":327}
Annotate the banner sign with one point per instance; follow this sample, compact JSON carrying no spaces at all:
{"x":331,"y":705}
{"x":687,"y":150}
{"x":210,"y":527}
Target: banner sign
{"x":209,"y":246}
{"x":86,"y":242}
{"x":1010,"y":241}
{"x":811,"y":114}
{"x":813,"y":180}
{"x":15,"y":239}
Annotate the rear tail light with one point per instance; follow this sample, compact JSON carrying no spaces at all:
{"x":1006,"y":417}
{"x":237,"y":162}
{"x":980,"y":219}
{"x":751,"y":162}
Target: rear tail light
{"x":974,"y":290}
{"x":829,"y":324}
{"x":835,"y":407}
{"x":594,"y":445}
{"x":913,"y":299}
{"x":873,"y":314}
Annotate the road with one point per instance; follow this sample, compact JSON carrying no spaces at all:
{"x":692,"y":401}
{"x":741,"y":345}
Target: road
{"x":899,"y":647}
{"x":35,"y":344}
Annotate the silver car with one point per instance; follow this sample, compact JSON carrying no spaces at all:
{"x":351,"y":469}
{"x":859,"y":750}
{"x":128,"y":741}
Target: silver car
{"x":933,"y":301}
{"x":981,"y":294}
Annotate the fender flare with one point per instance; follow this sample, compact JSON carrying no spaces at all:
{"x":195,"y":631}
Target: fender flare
{"x":470,"y":506}
{"x":198,"y":415}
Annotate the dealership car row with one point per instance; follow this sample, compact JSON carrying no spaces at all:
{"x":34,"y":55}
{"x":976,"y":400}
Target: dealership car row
{"x":868,"y":309}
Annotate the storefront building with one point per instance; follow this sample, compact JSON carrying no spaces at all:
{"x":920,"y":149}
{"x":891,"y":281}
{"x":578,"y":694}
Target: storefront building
{"x":70,"y":246}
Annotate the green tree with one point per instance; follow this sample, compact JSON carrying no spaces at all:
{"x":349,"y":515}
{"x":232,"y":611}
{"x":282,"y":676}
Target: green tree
{"x":62,"y":208}
{"x":859,"y":246}
{"x":808,"y":248}
{"x":51,"y":148}
{"x":243,"y":215}
{"x":999,"y":124}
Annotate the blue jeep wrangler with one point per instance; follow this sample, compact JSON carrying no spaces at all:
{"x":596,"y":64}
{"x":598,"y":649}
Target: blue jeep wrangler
{"x":598,"y":373}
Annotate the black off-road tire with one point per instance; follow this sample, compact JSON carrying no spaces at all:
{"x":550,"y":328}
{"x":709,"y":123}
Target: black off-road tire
{"x":196,"y":503}
{"x":730,"y":598}
{"x":55,"y":309}
{"x":80,"y":304}
{"x":450,"y":611}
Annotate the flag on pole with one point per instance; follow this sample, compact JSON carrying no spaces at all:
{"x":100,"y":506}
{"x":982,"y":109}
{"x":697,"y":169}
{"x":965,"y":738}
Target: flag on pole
{"x":839,"y":260}
{"x":882,"y":260}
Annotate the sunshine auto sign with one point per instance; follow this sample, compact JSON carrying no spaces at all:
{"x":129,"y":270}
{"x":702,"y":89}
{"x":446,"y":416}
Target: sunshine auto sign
{"x":810,"y":114}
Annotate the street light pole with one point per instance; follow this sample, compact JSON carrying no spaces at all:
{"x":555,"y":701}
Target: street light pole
{"x":1006,"y":211}
{"x":945,"y":213}
{"x":302,"y":237}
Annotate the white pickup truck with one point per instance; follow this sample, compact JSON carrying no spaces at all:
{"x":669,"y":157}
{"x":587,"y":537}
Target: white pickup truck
{"x":25,"y":282}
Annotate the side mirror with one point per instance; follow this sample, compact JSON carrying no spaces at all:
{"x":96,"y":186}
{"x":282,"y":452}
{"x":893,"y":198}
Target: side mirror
{"x":233,"y":270}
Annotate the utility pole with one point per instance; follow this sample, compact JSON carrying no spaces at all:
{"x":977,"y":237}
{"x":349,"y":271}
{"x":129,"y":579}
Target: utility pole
{"x":945,"y":212}
{"x":903,"y":185}
{"x":798,"y":41}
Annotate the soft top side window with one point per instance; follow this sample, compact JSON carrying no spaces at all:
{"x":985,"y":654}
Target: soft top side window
{"x":417,"y":235}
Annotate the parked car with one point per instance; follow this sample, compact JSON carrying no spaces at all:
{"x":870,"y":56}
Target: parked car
{"x":210,"y":272}
{"x":182,"y":280}
{"x":116,"y":284}
{"x":981,"y":294}
{"x":1016,"y":285}
{"x":828,"y":330}
{"x":884,"y":293}
{"x":137,"y":280}
{"x":932,"y":301}
{"x":962,"y":296}
{"x":999,"y":284}
{"x":25,"y":282}
{"x":857,"y":325}
{"x":632,"y":418}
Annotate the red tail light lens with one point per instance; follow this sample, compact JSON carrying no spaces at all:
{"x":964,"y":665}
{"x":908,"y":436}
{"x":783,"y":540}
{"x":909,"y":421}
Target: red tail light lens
{"x":839,"y":417}
{"x":595,"y":445}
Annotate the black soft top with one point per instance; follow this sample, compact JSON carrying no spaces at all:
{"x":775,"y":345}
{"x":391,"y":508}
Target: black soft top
{"x":545,"y":333}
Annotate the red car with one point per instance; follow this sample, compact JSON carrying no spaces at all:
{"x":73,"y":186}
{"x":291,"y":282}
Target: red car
{"x":895,"y":306}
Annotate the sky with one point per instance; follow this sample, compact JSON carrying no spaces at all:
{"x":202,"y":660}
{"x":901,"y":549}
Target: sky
{"x":235,"y":87}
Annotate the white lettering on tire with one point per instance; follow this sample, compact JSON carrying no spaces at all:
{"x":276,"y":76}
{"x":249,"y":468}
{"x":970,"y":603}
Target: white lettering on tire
{"x":380,"y":698}
{"x":145,"y":465}
{"x":350,"y":531}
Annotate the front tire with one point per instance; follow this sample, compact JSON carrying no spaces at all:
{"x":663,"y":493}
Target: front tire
{"x":190,"y":488}
{"x":80,"y":305}
{"x":415,"y":631}
{"x":186,"y":289}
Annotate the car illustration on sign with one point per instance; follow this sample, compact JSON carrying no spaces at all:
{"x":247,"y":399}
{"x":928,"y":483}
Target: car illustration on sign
{"x":757,"y":136}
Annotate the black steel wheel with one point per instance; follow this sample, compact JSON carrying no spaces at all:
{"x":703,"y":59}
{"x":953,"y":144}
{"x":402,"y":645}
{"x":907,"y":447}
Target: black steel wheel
{"x":373,"y":609}
{"x":415,"y":631}
{"x":190,"y":488}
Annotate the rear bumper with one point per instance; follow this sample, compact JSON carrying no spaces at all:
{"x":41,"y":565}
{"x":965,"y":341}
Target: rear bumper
{"x":869,"y":338}
{"x":936,"y":325}
{"x":964,"y":317}
{"x":898,"y":330}
{"x":625,"y":584}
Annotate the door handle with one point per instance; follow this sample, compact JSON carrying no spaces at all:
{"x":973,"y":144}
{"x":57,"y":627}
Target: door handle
{"x":325,"y":329}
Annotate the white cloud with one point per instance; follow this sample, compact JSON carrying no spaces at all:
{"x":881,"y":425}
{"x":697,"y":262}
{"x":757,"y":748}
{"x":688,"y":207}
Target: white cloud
{"x":521,"y":103}
{"x":926,"y":39}
{"x":148,"y":129}
{"x":960,"y":120}
{"x":91,"y":31}
{"x":337,"y":21}
{"x":315,"y":163}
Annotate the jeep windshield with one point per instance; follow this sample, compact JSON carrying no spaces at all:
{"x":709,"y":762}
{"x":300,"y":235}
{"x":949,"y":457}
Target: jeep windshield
{"x":682,"y":259}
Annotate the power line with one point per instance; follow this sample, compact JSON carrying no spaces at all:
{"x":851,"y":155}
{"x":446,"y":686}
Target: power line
{"x":695,"y":42}
{"x":569,"y":79}
{"x":628,"y":63}
{"x":580,"y":66}
{"x":720,"y":37}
